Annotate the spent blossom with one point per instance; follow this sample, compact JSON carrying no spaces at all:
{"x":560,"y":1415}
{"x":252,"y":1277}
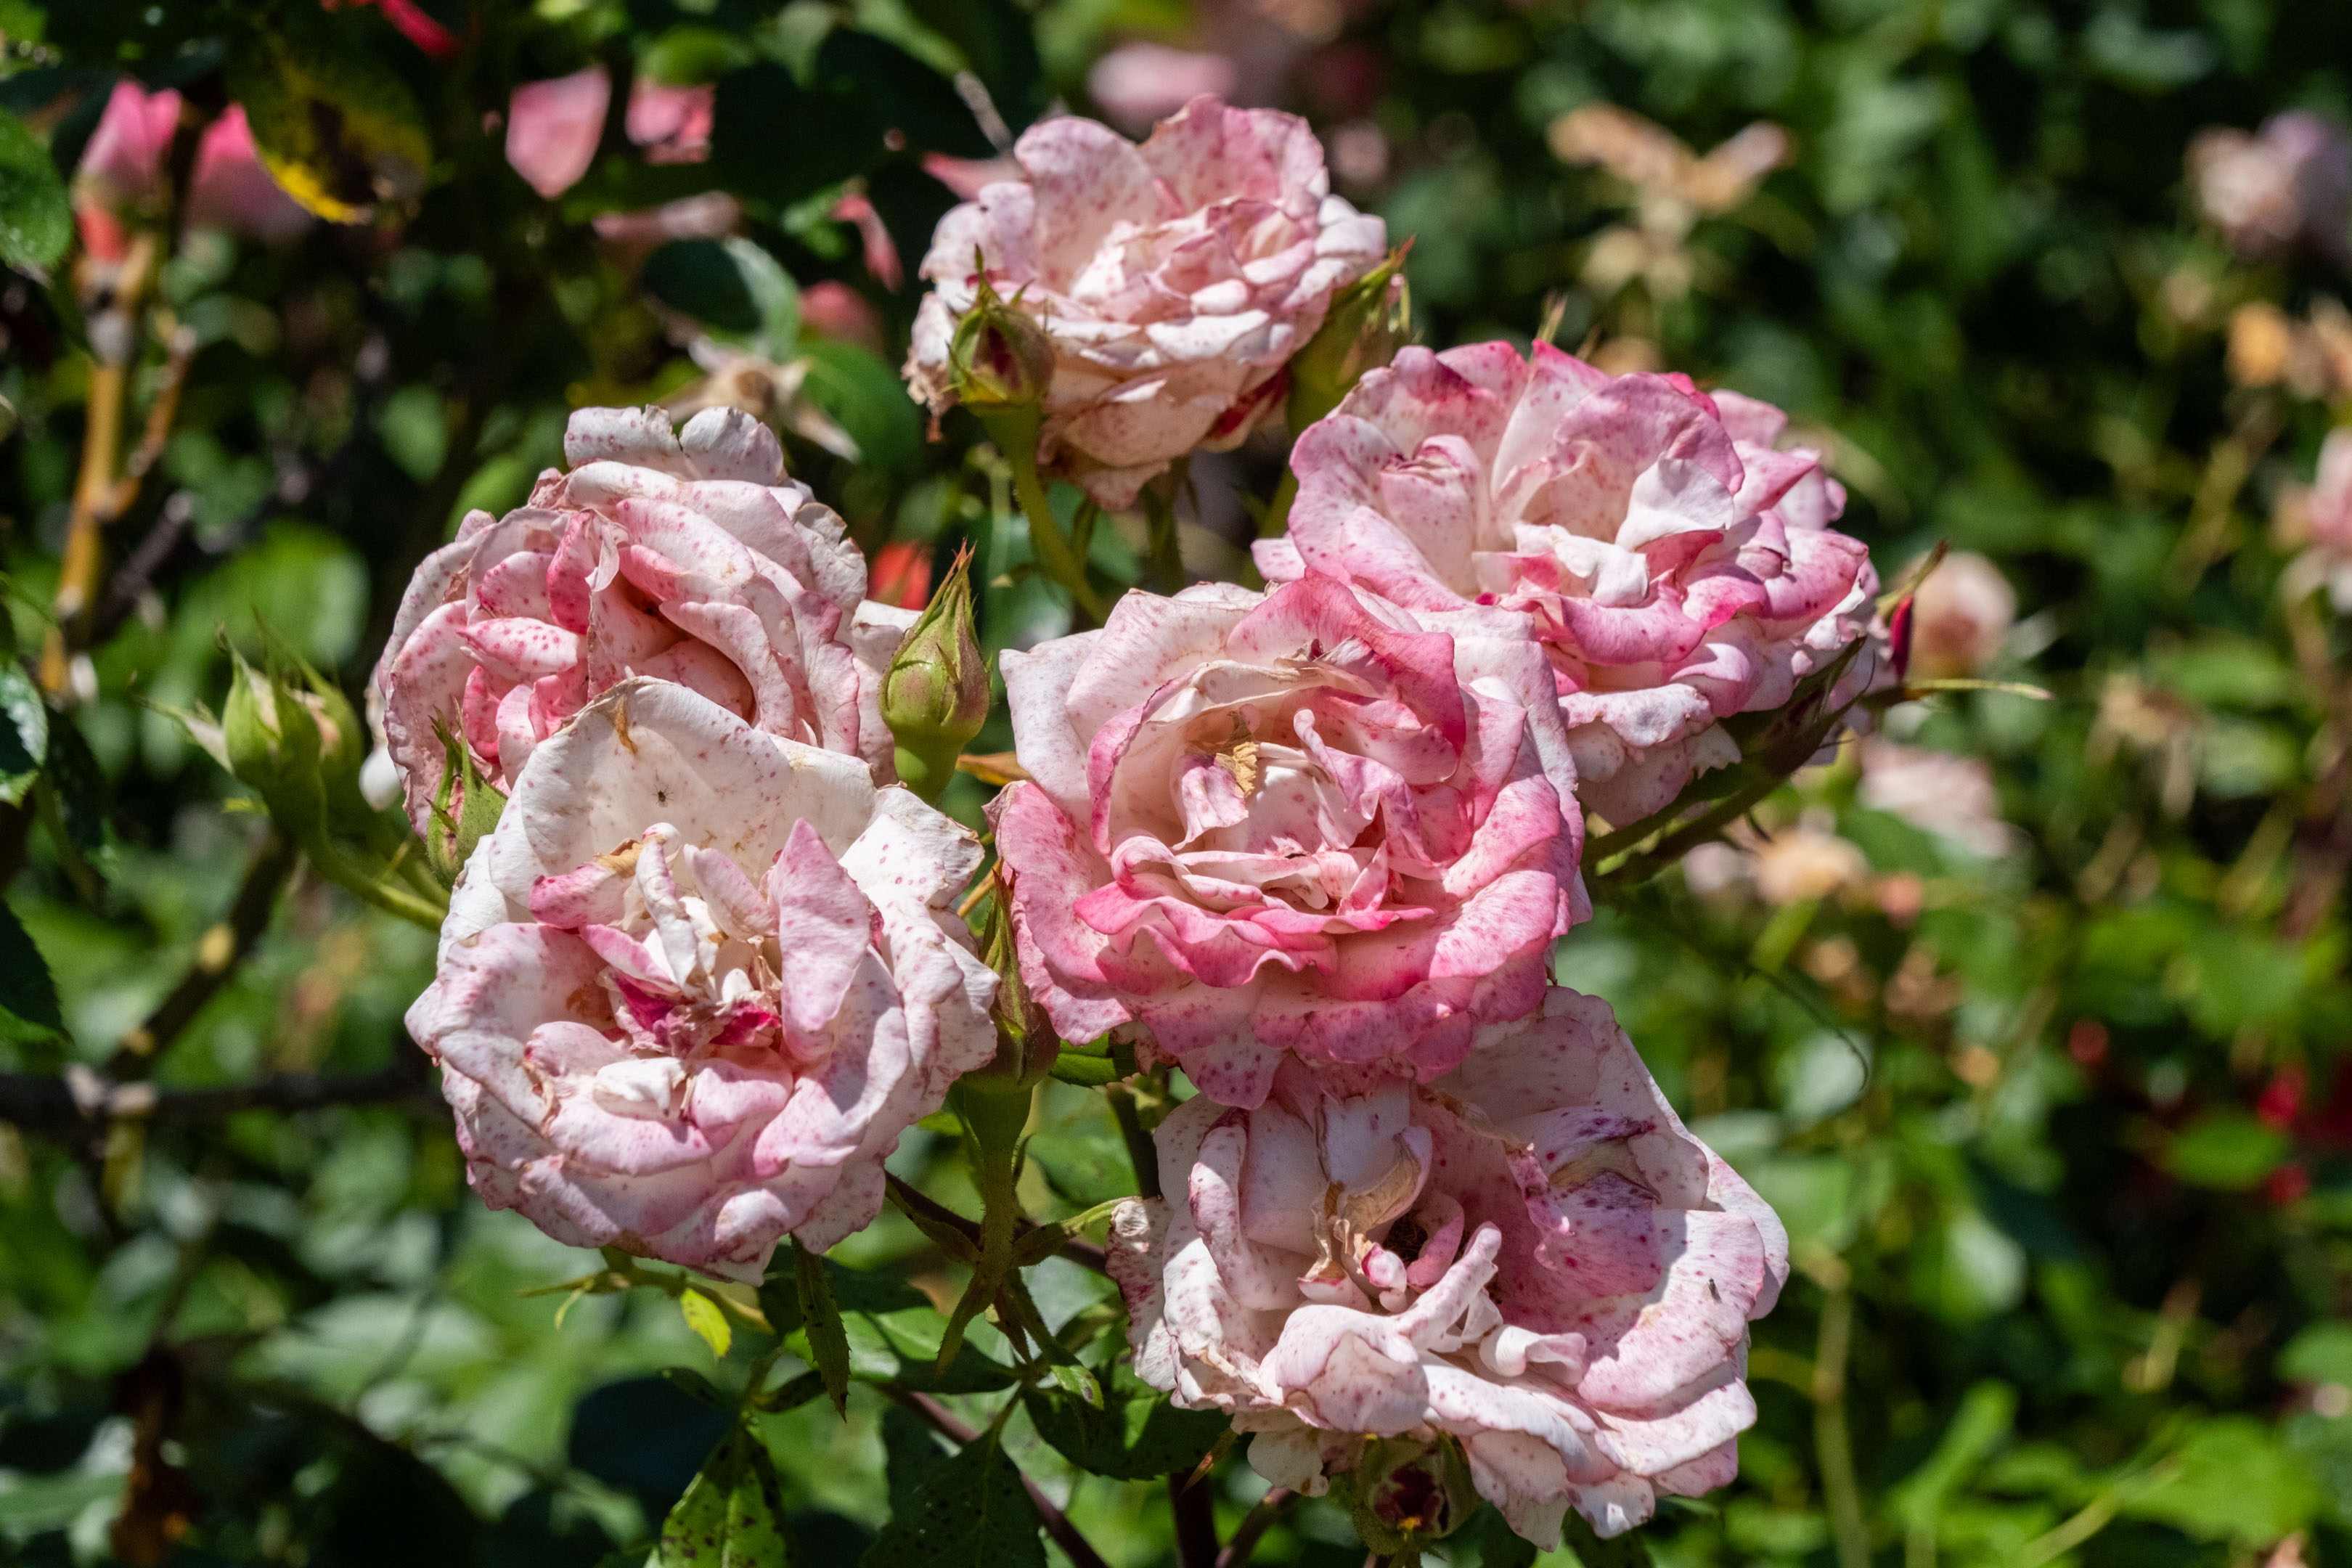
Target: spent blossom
{"x":1174,"y":279}
{"x":1678,"y":564}
{"x":1531,"y":1255}
{"x":1306,"y":821}
{"x":685,"y":556}
{"x":698,"y":982}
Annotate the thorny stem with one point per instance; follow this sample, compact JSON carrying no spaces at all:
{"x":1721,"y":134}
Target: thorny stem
{"x":1065,"y":1534}
{"x":1833,"y":1443}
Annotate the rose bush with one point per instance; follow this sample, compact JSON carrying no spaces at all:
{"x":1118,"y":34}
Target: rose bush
{"x":698,"y":982}
{"x":687,"y":556}
{"x":1307,"y":821}
{"x":1530,"y":1254}
{"x":1173,"y":279}
{"x":1679,"y":566}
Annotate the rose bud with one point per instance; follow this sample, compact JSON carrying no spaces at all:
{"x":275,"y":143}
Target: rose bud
{"x":935,"y":694}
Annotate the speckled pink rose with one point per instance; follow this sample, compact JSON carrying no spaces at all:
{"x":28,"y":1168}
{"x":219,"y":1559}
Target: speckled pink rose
{"x":1530,"y":1254}
{"x":1679,"y":567}
{"x":1174,"y":279}
{"x":698,"y":982}
{"x":1301,"y":822}
{"x":687,"y":557}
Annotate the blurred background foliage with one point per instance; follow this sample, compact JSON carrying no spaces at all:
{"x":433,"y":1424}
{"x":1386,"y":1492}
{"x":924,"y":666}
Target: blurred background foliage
{"x":2029,"y":1015}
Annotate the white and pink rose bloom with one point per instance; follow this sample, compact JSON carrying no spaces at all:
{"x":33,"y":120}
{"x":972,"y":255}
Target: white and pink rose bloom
{"x":1678,"y":564}
{"x":1173,"y":280}
{"x":1532,"y":1255}
{"x":698,"y":982}
{"x":684,"y":556}
{"x":1306,"y":822}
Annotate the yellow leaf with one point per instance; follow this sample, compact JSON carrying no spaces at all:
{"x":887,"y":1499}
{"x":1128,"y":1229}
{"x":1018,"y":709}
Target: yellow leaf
{"x":334,"y":124}
{"x":703,"y":1315}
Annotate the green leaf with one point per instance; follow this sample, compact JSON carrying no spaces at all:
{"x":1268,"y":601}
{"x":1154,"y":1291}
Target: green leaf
{"x":1135,"y":1436}
{"x":2320,"y":1353}
{"x":688,"y":1380}
{"x":24,"y":731}
{"x":331,"y":120}
{"x":1500,"y":1546}
{"x":866,"y":397}
{"x":1627,"y":1550}
{"x":732,"y":1516}
{"x":2227,"y":1149}
{"x":2232,"y":1480}
{"x":79,"y":785}
{"x":828,"y":1341}
{"x":911,"y":1454}
{"x":35,"y":222}
{"x":1000,"y":43}
{"x":971,"y":1510}
{"x":25,"y":988}
{"x":699,"y":278}
{"x":704,"y":1317}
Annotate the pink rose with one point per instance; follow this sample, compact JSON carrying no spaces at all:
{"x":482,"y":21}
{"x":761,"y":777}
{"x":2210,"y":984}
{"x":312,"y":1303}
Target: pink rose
{"x":686,"y":557}
{"x":554,"y":127}
{"x":1174,"y":279}
{"x":1679,"y":568}
{"x":696,"y":984}
{"x":121,"y":175}
{"x":1304,"y":822}
{"x":1139,"y":82}
{"x":1530,"y":1254}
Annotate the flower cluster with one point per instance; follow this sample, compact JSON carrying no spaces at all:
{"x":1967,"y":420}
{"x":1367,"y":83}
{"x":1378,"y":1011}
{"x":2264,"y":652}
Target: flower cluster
{"x":1427,"y":1215}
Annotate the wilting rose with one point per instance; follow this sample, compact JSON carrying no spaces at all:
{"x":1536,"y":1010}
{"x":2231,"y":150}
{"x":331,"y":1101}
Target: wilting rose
{"x":686,"y":557}
{"x":1298,"y":822}
{"x":697,"y":982}
{"x":1678,"y":567}
{"x":1530,"y":1254}
{"x":1175,"y":279}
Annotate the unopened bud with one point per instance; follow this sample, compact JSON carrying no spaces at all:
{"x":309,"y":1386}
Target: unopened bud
{"x":935,"y":697}
{"x":465,"y":809}
{"x":999,"y":358}
{"x":1368,"y":321}
{"x":276,"y":743}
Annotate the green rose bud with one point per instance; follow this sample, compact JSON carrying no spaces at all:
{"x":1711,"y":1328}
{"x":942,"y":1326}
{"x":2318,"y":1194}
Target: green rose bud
{"x":999,"y":358}
{"x":465,"y":809}
{"x":277,"y":740}
{"x":935,"y":697}
{"x":1368,"y":321}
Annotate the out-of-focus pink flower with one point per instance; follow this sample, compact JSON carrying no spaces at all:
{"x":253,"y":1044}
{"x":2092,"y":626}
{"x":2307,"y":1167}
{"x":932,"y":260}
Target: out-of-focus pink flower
{"x":231,"y":190}
{"x":696,"y":984}
{"x":1799,"y":864}
{"x":1531,"y":1255}
{"x":122,"y":164}
{"x":1137,"y":83}
{"x":121,"y":176}
{"x":705,"y":216}
{"x":1174,"y":279}
{"x":2290,"y":183}
{"x":554,"y":127}
{"x":1951,"y":797}
{"x":671,"y":123}
{"x":1679,"y":567}
{"x":2323,"y":521}
{"x":1959,"y":617}
{"x":686,"y":557}
{"x":901,"y":574}
{"x":874,"y":239}
{"x":832,"y":308}
{"x":1300,"y":821}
